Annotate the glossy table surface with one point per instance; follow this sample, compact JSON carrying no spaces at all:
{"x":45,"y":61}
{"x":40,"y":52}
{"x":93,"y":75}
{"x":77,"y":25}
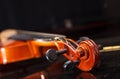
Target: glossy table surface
{"x":109,"y":69}
{"x":42,"y":69}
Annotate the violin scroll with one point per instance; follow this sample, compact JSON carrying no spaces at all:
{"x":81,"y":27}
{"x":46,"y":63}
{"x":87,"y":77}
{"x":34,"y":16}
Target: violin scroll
{"x":85,"y":56}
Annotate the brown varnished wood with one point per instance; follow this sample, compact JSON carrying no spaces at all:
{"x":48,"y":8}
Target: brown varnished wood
{"x":14,"y":50}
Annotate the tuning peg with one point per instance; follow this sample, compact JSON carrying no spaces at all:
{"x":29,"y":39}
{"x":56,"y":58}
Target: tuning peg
{"x":69,"y":65}
{"x":52,"y":54}
{"x":82,"y":39}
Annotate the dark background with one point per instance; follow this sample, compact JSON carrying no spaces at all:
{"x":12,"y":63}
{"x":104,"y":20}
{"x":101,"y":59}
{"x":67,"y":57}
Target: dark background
{"x":93,"y":18}
{"x":97,"y":19}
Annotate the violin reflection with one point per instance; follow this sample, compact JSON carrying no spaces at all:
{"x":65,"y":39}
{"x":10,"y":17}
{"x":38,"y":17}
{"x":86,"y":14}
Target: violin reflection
{"x":55,"y":71}
{"x":50,"y":71}
{"x":44,"y":75}
{"x":37,"y":75}
{"x":86,"y":75}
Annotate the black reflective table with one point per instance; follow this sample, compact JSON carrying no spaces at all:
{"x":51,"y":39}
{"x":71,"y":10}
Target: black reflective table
{"x":41,"y":69}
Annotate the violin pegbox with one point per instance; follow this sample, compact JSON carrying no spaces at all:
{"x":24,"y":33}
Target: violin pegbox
{"x":85,"y":57}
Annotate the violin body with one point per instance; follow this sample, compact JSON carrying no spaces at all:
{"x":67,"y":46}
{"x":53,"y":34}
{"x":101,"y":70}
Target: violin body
{"x":25,"y":45}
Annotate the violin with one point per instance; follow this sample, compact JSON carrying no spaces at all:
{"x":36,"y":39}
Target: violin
{"x":19,"y":45}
